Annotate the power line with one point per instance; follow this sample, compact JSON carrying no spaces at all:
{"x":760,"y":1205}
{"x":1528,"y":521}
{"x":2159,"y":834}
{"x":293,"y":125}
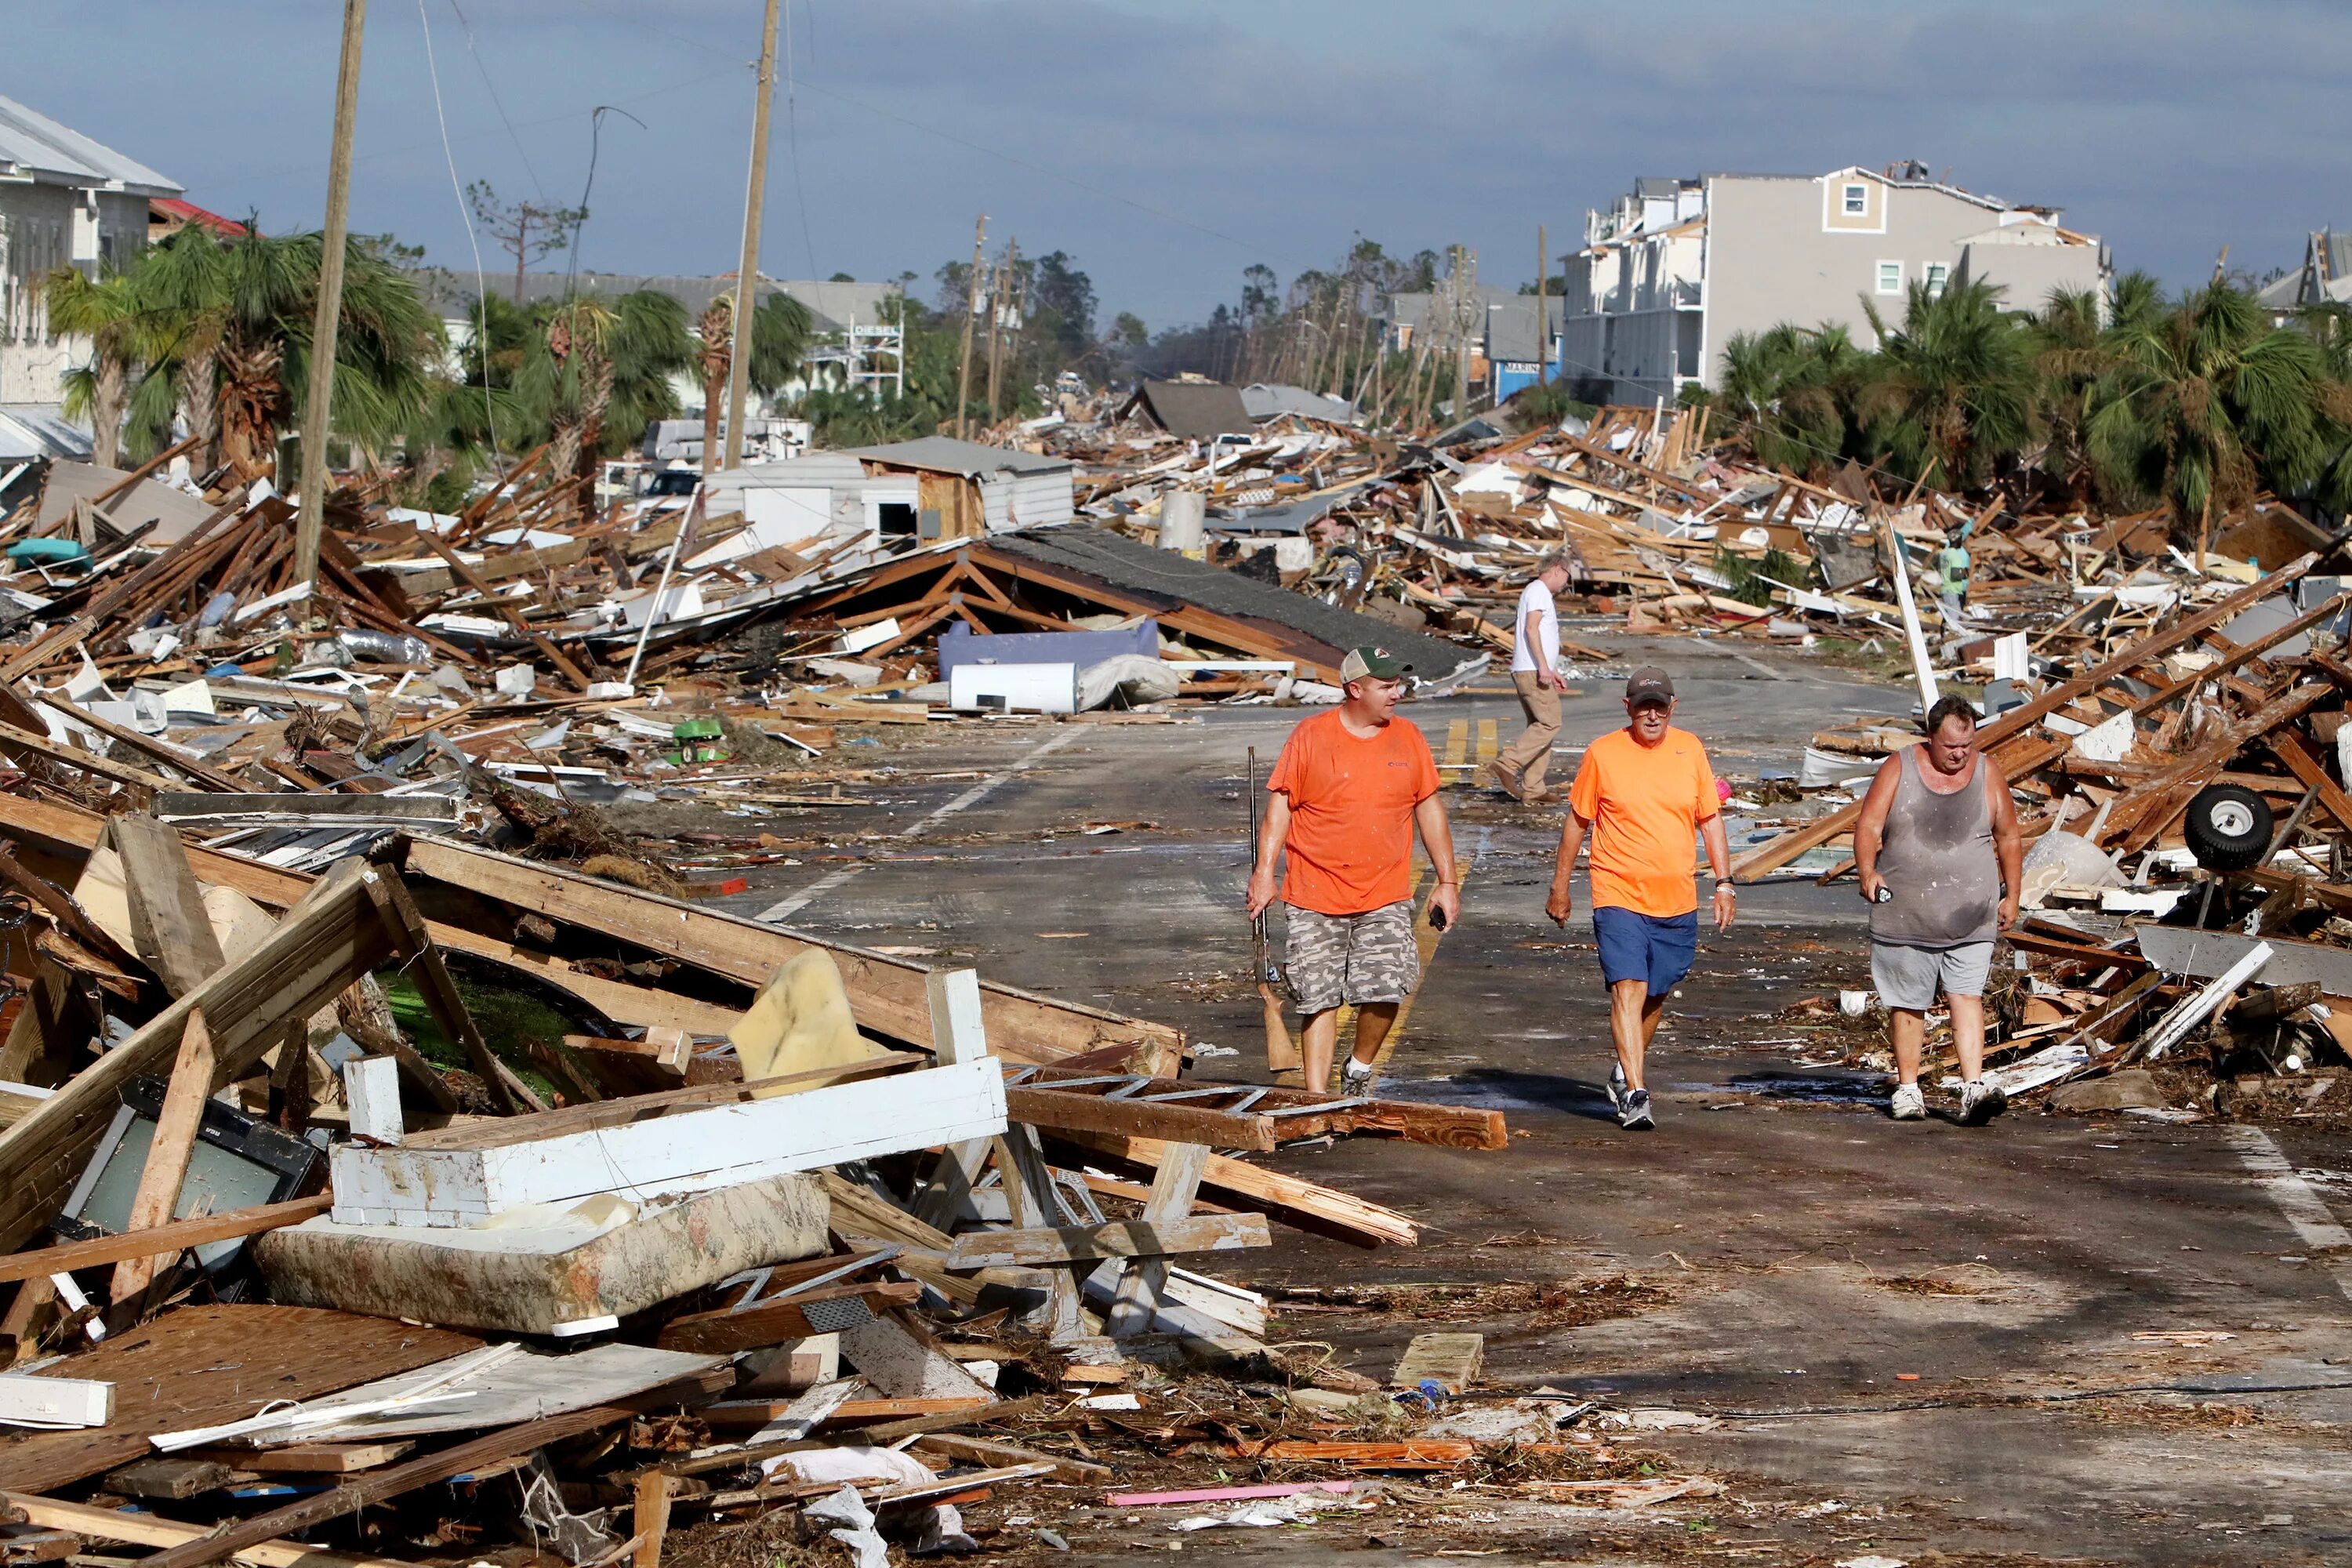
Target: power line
{"x":481,"y":282}
{"x":793,"y":143}
{"x":479,"y":64}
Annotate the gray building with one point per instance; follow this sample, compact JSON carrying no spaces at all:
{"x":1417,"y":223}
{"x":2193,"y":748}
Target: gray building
{"x":2325,"y":277}
{"x":65,"y":201}
{"x":1677,"y":268}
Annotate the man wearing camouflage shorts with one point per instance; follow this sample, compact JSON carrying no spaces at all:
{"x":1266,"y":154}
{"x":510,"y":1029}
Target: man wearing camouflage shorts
{"x":1352,"y":787}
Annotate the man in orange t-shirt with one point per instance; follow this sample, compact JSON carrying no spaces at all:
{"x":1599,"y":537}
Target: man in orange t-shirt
{"x":1352,"y":787}
{"x":1645,"y":794}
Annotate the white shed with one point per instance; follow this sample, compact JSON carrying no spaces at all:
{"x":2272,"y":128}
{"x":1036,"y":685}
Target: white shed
{"x":968,"y":489}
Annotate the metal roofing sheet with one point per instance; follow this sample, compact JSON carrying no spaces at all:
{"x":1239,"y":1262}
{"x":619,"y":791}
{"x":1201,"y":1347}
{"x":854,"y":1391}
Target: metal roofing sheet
{"x":39,"y":145}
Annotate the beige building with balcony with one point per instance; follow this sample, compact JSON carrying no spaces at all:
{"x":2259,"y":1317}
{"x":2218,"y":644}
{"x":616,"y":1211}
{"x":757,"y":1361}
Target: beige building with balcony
{"x":1677,"y":267}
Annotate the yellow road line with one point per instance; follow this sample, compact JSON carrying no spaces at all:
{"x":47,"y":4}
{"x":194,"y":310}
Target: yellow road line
{"x":1457,"y":745}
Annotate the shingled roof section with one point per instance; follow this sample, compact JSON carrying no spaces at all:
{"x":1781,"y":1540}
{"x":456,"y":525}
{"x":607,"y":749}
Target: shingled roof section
{"x":1174,"y":580}
{"x":1193,"y":410}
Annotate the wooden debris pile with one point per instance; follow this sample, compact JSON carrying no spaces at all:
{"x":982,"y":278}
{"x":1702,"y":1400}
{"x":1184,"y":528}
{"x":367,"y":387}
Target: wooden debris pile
{"x":447,"y":1205}
{"x":2185,"y":882}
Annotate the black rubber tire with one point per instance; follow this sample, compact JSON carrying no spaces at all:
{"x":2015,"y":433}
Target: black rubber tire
{"x":2229,"y":827}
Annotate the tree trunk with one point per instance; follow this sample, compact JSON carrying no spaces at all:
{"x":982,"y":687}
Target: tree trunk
{"x":252,"y":404}
{"x":718,"y":326}
{"x":596,"y":376}
{"x":200,"y":405}
{"x":106,"y":408}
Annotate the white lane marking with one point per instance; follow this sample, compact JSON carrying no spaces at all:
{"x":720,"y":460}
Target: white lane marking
{"x":2298,"y":1200}
{"x":973,"y":796}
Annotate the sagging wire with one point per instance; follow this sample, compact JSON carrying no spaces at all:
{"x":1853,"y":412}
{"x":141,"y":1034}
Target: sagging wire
{"x":466,"y":216}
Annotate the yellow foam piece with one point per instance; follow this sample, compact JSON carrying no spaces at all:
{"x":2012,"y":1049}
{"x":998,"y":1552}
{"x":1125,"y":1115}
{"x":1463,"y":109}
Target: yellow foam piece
{"x":799,"y":1021}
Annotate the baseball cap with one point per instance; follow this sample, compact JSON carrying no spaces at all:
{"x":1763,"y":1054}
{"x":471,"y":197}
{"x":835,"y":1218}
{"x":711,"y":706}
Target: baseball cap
{"x":1649,"y":684}
{"x":1378,"y":663}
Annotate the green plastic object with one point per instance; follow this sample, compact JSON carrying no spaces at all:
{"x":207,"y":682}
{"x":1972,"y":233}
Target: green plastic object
{"x":695,"y":730}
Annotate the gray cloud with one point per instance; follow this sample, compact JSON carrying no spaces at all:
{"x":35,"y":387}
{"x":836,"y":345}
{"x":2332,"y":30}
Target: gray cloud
{"x":1169,"y":147}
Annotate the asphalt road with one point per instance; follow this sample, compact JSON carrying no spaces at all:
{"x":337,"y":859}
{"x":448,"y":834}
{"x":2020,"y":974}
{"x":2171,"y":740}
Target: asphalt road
{"x":1936,"y":1329}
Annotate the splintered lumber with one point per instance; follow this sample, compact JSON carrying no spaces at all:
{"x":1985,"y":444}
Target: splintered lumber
{"x":983,"y":1451}
{"x":177,"y":1236}
{"x":888,"y":995}
{"x":151,"y":1529}
{"x":824,"y":1310}
{"x":1420,"y":1454}
{"x":169,"y":926}
{"x":1131,"y":1238}
{"x":1451,"y":1361}
{"x":1291,"y":1114}
{"x":370,"y":1488}
{"x":1301,"y":1205}
{"x":1062,"y":1111}
{"x":330,"y":940}
{"x":308,"y":1458}
{"x":168,"y":1149}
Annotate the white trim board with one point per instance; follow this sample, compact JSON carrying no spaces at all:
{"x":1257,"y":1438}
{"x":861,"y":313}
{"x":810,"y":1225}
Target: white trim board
{"x":687,"y":1152}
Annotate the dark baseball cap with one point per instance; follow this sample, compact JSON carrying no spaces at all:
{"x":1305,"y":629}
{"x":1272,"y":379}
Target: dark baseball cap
{"x":1378,"y":663}
{"x":1649,"y":685}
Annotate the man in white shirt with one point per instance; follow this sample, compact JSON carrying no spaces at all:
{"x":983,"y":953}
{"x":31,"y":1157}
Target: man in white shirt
{"x":1534,"y":672}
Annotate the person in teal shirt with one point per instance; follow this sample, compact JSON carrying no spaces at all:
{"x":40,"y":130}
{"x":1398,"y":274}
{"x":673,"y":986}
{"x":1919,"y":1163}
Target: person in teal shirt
{"x":1952,"y":577}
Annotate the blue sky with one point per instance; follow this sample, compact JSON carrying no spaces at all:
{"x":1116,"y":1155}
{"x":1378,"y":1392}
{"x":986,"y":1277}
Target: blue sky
{"x":1168,"y":146}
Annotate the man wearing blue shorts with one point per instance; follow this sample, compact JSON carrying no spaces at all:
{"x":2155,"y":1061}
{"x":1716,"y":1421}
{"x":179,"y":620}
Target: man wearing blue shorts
{"x":1647,"y":794}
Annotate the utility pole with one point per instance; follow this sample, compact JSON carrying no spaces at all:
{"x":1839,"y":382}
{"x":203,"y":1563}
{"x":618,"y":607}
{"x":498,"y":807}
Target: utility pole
{"x":317,"y":412}
{"x":1003,"y":276}
{"x":1543,"y":320}
{"x":971,"y":308}
{"x":739,"y":378}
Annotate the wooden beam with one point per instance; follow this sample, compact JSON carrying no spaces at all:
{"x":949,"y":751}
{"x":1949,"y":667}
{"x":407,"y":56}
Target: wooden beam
{"x":2295,"y":753}
{"x":198,"y":1230}
{"x":168,"y":1151}
{"x":169,"y":926}
{"x":1063,"y":1111}
{"x":144,"y":1528}
{"x":1128,"y":1238}
{"x":1142,"y":1285}
{"x":324,"y":943}
{"x":1302,"y":1204}
{"x":370,"y":1488}
{"x":146,"y":746}
{"x":765,"y":1323}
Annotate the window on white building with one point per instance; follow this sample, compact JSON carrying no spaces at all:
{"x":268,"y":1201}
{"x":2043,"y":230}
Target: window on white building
{"x":1937,"y":272}
{"x":1857,"y":201}
{"x":1890,"y":278}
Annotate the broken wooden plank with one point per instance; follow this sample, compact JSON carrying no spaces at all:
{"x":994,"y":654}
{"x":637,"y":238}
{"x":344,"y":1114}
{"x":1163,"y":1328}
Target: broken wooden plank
{"x":1131,"y":1238}
{"x":1451,"y":1361}
{"x":308,"y":1458}
{"x":983,"y":1451}
{"x":1137,"y":1298}
{"x":824,"y":1310}
{"x":327,"y":942}
{"x":169,"y":928}
{"x":169,"y":1148}
{"x":370,"y":1488}
{"x":1299,"y":1204}
{"x":144,"y":1528}
{"x":1063,"y":1111}
{"x":177,"y":1236}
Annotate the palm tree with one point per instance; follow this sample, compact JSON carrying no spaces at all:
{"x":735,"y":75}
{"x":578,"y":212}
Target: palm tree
{"x":2209,"y":403}
{"x":781,"y":331}
{"x":1793,"y":390}
{"x":2068,"y":347}
{"x":105,"y":311}
{"x":1950,"y":392}
{"x":717,"y":330}
{"x":236,"y":317}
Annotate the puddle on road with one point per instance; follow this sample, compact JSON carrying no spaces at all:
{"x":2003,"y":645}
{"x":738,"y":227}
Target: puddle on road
{"x":1837,"y":1088}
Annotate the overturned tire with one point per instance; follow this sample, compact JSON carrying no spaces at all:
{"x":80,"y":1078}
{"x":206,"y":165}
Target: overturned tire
{"x":2228,"y":827}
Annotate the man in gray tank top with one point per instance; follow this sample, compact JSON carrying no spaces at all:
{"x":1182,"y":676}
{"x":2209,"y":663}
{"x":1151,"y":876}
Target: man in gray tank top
{"x":1940,"y":859}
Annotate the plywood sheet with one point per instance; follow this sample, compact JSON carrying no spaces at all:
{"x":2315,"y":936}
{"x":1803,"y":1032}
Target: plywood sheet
{"x":199,"y":1366}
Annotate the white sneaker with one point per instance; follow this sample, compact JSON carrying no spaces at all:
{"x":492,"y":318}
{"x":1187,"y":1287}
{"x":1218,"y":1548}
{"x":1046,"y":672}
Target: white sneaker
{"x":1910,"y":1104}
{"x":1617,"y":1085}
{"x":1981,"y":1101}
{"x":1356,"y":1077}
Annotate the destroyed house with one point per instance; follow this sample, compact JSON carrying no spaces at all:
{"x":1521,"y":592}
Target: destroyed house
{"x":967,"y":488}
{"x":65,"y":201}
{"x":2323,"y":278}
{"x":1189,"y":410}
{"x":1678,"y":269}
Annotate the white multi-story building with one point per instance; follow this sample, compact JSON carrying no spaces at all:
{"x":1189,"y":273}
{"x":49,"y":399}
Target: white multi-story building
{"x":1677,"y":267}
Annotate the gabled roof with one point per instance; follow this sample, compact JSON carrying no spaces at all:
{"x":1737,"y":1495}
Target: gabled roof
{"x":1266,"y":400}
{"x":1190,"y":409}
{"x":1511,"y":326}
{"x":1857,"y":172}
{"x":946,"y":454}
{"x":185,"y":212}
{"x":33,"y":145}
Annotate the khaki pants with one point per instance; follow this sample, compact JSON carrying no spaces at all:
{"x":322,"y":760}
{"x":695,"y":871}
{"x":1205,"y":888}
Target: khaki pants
{"x":1522,"y":767}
